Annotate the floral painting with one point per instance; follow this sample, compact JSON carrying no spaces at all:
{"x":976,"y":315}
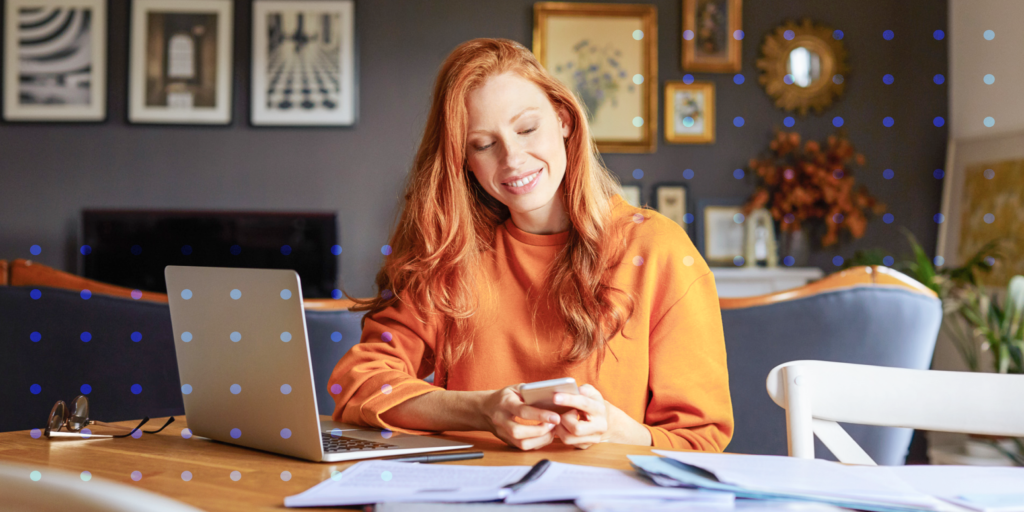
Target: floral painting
{"x":597,"y":75}
{"x":606,"y":54}
{"x":689,"y":112}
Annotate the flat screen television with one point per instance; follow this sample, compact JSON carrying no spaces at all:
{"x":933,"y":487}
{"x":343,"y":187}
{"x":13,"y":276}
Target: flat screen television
{"x":131,"y":247}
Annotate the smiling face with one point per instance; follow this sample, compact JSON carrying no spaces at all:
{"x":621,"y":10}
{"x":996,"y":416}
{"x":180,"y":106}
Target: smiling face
{"x":516,"y":149}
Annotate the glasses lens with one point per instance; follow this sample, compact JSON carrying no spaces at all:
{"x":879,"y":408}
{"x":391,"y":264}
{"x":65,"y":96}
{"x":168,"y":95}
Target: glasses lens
{"x":79,"y":416}
{"x":57,"y":415}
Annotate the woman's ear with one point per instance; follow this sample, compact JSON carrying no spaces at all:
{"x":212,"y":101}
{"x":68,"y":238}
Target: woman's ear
{"x":564,"y":122}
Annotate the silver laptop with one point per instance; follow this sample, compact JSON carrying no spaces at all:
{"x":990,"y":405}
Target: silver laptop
{"x":245,"y":369}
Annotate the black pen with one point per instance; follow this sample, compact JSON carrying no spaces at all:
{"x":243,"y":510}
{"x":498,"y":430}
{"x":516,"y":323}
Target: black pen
{"x":444,"y":457}
{"x":534,"y":473}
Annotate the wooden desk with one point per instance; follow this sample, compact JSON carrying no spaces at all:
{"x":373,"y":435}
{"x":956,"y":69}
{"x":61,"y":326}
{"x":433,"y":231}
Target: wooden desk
{"x":161,"y":458}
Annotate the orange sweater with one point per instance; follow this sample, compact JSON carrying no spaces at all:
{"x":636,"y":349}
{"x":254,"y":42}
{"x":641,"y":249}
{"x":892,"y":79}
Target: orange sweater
{"x":670,"y":375}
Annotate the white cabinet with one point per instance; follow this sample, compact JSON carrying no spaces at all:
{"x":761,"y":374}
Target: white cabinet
{"x":747,"y":282}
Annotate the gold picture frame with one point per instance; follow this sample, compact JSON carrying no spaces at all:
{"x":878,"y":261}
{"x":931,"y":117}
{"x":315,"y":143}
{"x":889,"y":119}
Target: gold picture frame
{"x":608,"y":55}
{"x":712,"y":47}
{"x":689,"y":112}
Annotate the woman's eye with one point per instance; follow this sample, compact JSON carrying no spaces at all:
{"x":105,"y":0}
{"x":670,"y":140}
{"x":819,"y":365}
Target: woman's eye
{"x":528,"y":131}
{"x":481,"y":148}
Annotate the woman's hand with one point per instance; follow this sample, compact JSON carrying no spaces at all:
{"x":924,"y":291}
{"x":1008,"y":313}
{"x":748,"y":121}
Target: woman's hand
{"x":502,"y":407}
{"x":596,"y":420}
{"x":587,"y":424}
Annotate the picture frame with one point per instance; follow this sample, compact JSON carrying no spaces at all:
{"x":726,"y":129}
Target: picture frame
{"x":709,"y":44}
{"x":180,"y":62}
{"x":320,"y":64}
{"x":55,"y":60}
{"x":673,"y":201}
{"x":607,"y":54}
{"x":720,"y":239}
{"x":983,"y":175}
{"x":633,"y":194}
{"x":689,"y":112}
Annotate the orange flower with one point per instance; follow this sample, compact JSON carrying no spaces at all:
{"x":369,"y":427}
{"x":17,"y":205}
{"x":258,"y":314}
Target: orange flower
{"x":812,"y":185}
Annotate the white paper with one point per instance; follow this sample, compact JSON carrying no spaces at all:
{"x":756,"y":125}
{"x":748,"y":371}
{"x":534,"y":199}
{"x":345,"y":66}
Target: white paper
{"x":570,"y":482}
{"x":807,"y":476}
{"x":958,"y":483}
{"x":382,"y":481}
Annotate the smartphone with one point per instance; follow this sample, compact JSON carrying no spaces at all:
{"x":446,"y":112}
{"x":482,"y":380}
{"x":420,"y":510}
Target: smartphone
{"x":540,"y":394}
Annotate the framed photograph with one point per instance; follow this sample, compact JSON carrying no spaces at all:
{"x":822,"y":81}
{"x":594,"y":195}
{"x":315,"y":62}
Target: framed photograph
{"x":720,"y":238}
{"x":689,"y":112}
{"x":709,"y":35}
{"x":303,"y":63}
{"x":631,"y":193}
{"x":982,"y":199}
{"x":179,"y":69}
{"x":55,"y":62}
{"x":673,"y":200}
{"x":608,"y":55}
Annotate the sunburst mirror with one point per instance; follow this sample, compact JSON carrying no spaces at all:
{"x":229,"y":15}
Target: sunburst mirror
{"x":803,"y":66}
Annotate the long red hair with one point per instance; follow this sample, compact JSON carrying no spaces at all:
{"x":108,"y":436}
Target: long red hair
{"x":448,"y":220}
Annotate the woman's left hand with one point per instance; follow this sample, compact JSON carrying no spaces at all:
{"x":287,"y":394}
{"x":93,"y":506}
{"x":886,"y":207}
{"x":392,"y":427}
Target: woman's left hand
{"x":587,"y":424}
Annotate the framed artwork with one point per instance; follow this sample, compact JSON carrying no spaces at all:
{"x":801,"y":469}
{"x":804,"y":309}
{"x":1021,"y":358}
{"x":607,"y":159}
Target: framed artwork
{"x":689,"y":112}
{"x":55,"y":62}
{"x":720,"y":237}
{"x":632,"y":195}
{"x":709,"y":35}
{"x":303,"y":63}
{"x":608,"y":55}
{"x":179,"y":69}
{"x":673,"y":200}
{"x":983,"y":199}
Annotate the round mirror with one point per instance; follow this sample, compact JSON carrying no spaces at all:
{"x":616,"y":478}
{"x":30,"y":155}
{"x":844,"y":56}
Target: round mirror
{"x":803,"y":66}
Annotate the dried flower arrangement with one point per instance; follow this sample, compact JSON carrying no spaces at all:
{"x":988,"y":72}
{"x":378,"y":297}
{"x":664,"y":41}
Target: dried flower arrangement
{"x":813,"y":184}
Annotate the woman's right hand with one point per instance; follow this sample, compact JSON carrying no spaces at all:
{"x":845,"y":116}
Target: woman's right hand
{"x":500,"y":410}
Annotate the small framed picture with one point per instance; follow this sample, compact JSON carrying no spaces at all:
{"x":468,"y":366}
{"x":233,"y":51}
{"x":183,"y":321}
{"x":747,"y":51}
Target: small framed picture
{"x":180,"y":55}
{"x":721,"y":230}
{"x":55,"y":62}
{"x":608,"y":55}
{"x":710,"y":41}
{"x":632,"y":195}
{"x":303,"y":63}
{"x":672,"y":200}
{"x":689,"y":112}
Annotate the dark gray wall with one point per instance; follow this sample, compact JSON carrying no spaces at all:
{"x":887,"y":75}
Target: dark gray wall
{"x":50,"y":172}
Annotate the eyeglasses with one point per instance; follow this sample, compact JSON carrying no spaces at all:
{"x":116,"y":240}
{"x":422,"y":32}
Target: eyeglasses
{"x":76,"y":418}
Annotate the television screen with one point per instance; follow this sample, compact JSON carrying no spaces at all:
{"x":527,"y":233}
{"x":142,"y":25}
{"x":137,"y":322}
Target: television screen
{"x":131,"y":247}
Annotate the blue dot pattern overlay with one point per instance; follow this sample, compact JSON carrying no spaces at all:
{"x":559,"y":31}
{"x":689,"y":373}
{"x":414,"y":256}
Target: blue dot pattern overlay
{"x":236,"y":389}
{"x":186,"y":249}
{"x":236,"y":433}
{"x":638,"y":174}
{"x":136,"y":250}
{"x":335,"y":336}
{"x":688,"y":174}
{"x":35,"y":389}
{"x":186,"y":336}
{"x":35,"y":294}
{"x":236,"y":336}
{"x":335,"y":250}
{"x":887,"y":79}
{"x":286,"y":294}
{"x":236,"y":250}
{"x":85,"y":294}
{"x":136,"y":336}
{"x":236,"y":294}
{"x":35,"y":337}
{"x":286,"y":249}
{"x":186,"y":294}
{"x":888,"y":261}
{"x":136,"y":389}
{"x":285,"y":389}
{"x":85,"y":250}
{"x":186,"y":389}
{"x":85,"y":389}
{"x":286,"y":336}
{"x":35,"y":250}
{"x":85,"y":337}
{"x":286,"y":433}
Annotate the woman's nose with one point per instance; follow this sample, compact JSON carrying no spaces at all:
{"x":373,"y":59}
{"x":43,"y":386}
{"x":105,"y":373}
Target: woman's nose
{"x":515,"y":155}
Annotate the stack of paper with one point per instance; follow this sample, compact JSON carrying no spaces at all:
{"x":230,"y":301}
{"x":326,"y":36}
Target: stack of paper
{"x":874,"y":488}
{"x":382,"y":481}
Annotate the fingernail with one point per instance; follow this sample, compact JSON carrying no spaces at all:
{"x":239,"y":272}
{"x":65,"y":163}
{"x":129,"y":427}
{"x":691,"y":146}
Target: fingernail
{"x":557,"y":399}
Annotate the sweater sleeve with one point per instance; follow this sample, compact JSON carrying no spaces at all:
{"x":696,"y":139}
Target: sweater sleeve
{"x":689,"y":405}
{"x":386,"y":368}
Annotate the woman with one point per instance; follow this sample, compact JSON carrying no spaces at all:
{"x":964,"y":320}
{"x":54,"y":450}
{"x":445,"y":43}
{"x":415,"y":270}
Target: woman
{"x":516,"y":260}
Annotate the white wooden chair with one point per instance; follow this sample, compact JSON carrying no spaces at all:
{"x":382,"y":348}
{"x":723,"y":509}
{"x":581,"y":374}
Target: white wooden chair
{"x":817,"y":394}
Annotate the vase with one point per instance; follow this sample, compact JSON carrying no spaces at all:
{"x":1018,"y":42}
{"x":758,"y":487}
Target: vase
{"x":795,"y":244}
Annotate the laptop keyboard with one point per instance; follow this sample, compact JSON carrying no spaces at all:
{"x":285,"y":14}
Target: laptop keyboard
{"x":339,"y":444}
